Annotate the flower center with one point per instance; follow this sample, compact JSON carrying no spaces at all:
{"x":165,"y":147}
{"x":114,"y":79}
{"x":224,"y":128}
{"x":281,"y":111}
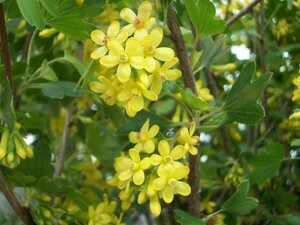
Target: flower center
{"x":149,"y":49}
{"x":123,"y":58}
{"x":167,"y":159}
{"x":105,"y":40}
{"x":141,"y":136}
{"x":172,"y":182}
{"x":133,"y":166}
{"x":138,"y":23}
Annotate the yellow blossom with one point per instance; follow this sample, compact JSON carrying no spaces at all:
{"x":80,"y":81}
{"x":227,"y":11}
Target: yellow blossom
{"x":140,"y":23}
{"x":133,"y":167}
{"x":152,"y":51}
{"x":167,"y":157}
{"x":144,"y":139}
{"x":162,"y":73}
{"x":132,"y":95}
{"x":108,"y":88}
{"x":102,"y":39}
{"x":203,"y":93}
{"x":98,"y":216}
{"x":169,"y":182}
{"x":108,"y":15}
{"x":4,"y":143}
{"x":131,"y":56}
{"x":296,"y":93}
{"x":187,"y":139}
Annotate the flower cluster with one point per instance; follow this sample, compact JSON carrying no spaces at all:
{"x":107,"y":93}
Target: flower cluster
{"x":13,"y":147}
{"x":154,"y":175}
{"x":135,"y":66}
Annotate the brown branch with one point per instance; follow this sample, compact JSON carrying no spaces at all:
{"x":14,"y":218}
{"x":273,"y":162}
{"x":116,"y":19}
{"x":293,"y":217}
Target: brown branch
{"x":189,"y":81}
{"x":5,"y":49}
{"x":62,"y":152}
{"x":22,"y":212}
{"x":243,"y":12}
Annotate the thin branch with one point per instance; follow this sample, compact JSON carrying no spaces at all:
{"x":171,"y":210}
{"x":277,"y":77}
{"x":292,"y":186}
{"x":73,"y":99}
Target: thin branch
{"x":62,"y":152}
{"x":243,"y":12}
{"x":5,"y":49}
{"x":22,"y":212}
{"x":189,"y":81}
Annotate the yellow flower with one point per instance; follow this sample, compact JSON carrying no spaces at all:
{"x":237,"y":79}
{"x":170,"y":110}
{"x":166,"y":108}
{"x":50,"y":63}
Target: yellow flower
{"x":108,"y":88}
{"x":4,"y":143}
{"x":131,"y":56}
{"x":102,"y":39}
{"x":169,"y":182}
{"x":98,"y":216}
{"x":152,"y":51}
{"x":144,"y":139}
{"x":296,"y":93}
{"x":295,"y":115}
{"x":187,"y":139}
{"x":140,"y":23}
{"x":132,"y":94}
{"x":203,"y":93}
{"x":133,"y":167}
{"x":108,"y":15}
{"x":162,"y":73}
{"x":167,"y":157}
{"x":48,"y":32}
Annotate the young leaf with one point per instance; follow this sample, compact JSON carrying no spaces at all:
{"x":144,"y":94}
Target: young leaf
{"x":47,"y":73}
{"x":241,"y":103}
{"x":267,"y":163}
{"x":32,"y":12}
{"x":202,"y":14}
{"x":187,"y":219}
{"x":192,"y":101}
{"x":239,"y":202}
{"x":60,"y":89}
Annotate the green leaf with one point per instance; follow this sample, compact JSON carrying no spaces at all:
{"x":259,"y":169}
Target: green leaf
{"x":295,"y":142}
{"x":7,"y":106}
{"x":187,"y":219}
{"x":266,"y":163}
{"x":241,"y":104}
{"x":40,"y":165}
{"x":202,"y":14}
{"x":78,"y":64}
{"x":47,"y":73}
{"x":289,"y":219}
{"x":32,"y":12}
{"x":102,"y":143}
{"x":239,"y":202}
{"x":193,"y":101}
{"x":55,"y":185}
{"x":81,"y":200}
{"x":60,"y":89}
{"x":88,"y":74}
{"x":72,"y":26}
{"x":21,"y":179}
{"x":51,"y":6}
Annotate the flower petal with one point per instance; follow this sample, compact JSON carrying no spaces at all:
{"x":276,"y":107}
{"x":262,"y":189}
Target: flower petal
{"x":124,"y":95}
{"x":168,"y":195}
{"x":182,"y":188}
{"x":145,"y":10}
{"x":134,"y":155}
{"x":129,"y":29}
{"x":128,"y":15}
{"x":137,"y":62}
{"x":122,"y":36}
{"x":138,"y":177}
{"x":140,"y":34}
{"x":146,"y":163}
{"x":153,"y":131}
{"x":150,"y":95}
{"x":168,"y":64}
{"x":149,"y":146}
{"x":156,"y":85}
{"x":125,"y":175}
{"x":155,"y":159}
{"x":115,"y":47}
{"x":98,"y":36}
{"x":159,"y":183}
{"x":164,"y":54}
{"x":156,"y":36}
{"x":145,"y":127}
{"x":155,"y":206}
{"x":109,"y":61}
{"x":173,"y":74}
{"x":99,"y":52}
{"x":150,"y":64}
{"x":180,"y":172}
{"x":97,"y":87}
{"x":113,"y":29}
{"x":178,"y":152}
{"x":164,"y":148}
{"x":133,"y":137}
{"x":123,"y":72}
{"x":137,"y":103}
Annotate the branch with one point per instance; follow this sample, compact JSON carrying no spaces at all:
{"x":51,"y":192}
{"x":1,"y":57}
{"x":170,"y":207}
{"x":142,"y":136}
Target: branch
{"x":189,"y":81}
{"x":243,"y":12}
{"x":61,"y":158}
{"x":22,"y":212}
{"x":5,"y":49}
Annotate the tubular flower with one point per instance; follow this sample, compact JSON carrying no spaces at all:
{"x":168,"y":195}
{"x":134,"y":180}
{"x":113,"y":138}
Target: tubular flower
{"x":108,"y":88}
{"x":102,"y":39}
{"x":187,"y":139}
{"x":131,"y":56}
{"x":133,"y":167}
{"x":169,"y":182}
{"x":162,"y":73}
{"x":203,"y":93}
{"x":167,"y":157}
{"x":144,"y":139}
{"x":132,"y":95}
{"x":152,"y":51}
{"x":140,"y":23}
{"x":98,"y":216}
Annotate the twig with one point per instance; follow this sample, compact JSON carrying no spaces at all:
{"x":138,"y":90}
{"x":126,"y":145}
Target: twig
{"x":61,"y":157}
{"x":21,"y":211}
{"x":189,"y":81}
{"x":243,"y":12}
{"x":5,"y":49}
